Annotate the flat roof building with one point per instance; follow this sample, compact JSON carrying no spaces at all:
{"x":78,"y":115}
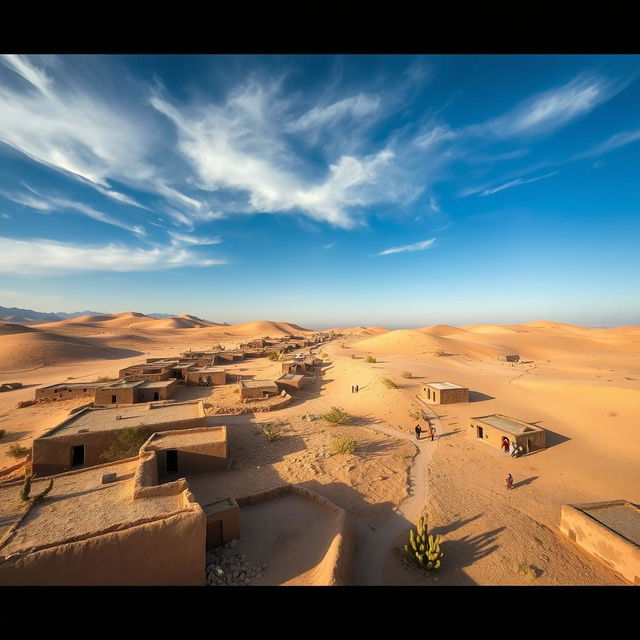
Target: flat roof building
{"x":608,"y":531}
{"x":206,"y":376}
{"x":257,"y":389}
{"x":291,"y":381}
{"x":153,"y":371}
{"x":500,"y":431}
{"x":66,"y":390}
{"x":512,"y":357}
{"x":133,"y":391}
{"x":81,"y":439}
{"x":443,"y":393}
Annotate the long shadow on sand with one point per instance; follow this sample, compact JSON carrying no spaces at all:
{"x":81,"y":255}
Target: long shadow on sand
{"x":522,"y":483}
{"x":476,"y":396}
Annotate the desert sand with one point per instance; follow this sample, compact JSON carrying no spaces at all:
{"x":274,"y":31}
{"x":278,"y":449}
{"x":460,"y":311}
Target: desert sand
{"x":581,"y":385}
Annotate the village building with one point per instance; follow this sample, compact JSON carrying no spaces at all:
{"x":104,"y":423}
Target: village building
{"x":443,"y":393}
{"x":258,"y":343}
{"x":139,"y":524}
{"x":132,"y":391}
{"x":206,"y":376}
{"x":509,"y":357}
{"x":229,"y":356}
{"x":608,"y":531}
{"x":294,"y":366}
{"x":178,"y":367}
{"x":65,"y":390}
{"x":500,"y":431}
{"x":10,"y":386}
{"x":291,"y":382}
{"x":257,"y":389}
{"x":82,"y":438}
{"x":148,"y":372}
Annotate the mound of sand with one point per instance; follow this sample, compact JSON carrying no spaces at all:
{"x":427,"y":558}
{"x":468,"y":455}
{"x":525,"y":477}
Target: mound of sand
{"x":367,"y":331}
{"x":7,"y":328}
{"x":264,"y":328}
{"x":33,"y":348}
{"x":442,"y":330}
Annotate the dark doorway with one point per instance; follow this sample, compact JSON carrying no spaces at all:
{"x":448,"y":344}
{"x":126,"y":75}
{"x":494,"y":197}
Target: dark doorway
{"x":113,"y":398}
{"x":77,"y":455}
{"x":156,"y":395}
{"x":480,"y":432}
{"x":172,"y":461}
{"x":214,"y":534}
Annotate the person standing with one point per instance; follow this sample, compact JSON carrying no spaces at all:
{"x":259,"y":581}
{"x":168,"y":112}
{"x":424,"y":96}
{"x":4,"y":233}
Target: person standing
{"x":509,"y":481}
{"x":353,"y":389}
{"x":357,"y":389}
{"x":418,"y":430}
{"x":432,"y":432}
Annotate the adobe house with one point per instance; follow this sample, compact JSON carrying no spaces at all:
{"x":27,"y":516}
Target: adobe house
{"x":132,"y":512}
{"x":79,"y":440}
{"x":509,"y":357}
{"x":444,"y":393}
{"x":230,"y":356}
{"x":257,"y":389}
{"x":206,"y":376}
{"x":291,"y":382}
{"x":495,"y":429}
{"x":132,"y":391}
{"x":292,"y":366}
{"x":608,"y":531}
{"x":177,"y":367}
{"x":10,"y":386}
{"x":258,"y":343}
{"x":149,"y":372}
{"x":64,"y":390}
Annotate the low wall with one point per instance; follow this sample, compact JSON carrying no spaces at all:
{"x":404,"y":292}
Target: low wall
{"x":274,"y":404}
{"x":337,"y":566}
{"x":603,"y":543}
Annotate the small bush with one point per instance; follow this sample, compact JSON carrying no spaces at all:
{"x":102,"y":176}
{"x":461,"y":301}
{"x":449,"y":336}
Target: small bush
{"x":337,"y":415}
{"x":273,"y":355}
{"x":389,"y":383}
{"x":418,"y":415}
{"x":407,"y":374}
{"x":104,"y":379}
{"x":17,"y":451}
{"x":271,"y":432}
{"x":353,"y":356}
{"x":439,"y":353}
{"x":130,"y":439}
{"x":2,"y":432}
{"x":370,"y":359}
{"x":344,"y":444}
{"x":527,"y":570}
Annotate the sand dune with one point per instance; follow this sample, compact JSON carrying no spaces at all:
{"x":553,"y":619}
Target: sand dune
{"x":442,"y":330}
{"x":8,"y":328}
{"x":264,"y":328}
{"x":34,"y":348}
{"x":368,"y":331}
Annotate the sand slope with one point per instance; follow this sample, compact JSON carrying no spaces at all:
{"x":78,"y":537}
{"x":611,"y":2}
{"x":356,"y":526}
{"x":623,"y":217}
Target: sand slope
{"x":264,"y":328}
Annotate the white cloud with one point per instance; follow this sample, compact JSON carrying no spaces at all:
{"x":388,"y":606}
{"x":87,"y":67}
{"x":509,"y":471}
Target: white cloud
{"x":548,"y":111}
{"x":418,"y":246}
{"x":433,"y":203}
{"x":614,"y":142}
{"x":434,"y":136}
{"x":516,"y":183}
{"x":357,"y":106}
{"x":31,"y":74}
{"x":180,"y":238}
{"x":4,"y":215}
{"x":329,"y":246}
{"x":47,"y":257}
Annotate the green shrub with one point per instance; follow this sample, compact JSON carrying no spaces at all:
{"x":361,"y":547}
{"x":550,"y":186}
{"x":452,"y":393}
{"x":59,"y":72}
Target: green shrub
{"x":17,"y":451}
{"x":407,"y":374}
{"x":370,"y":359}
{"x":423,"y":549}
{"x":130,"y":439}
{"x":273,"y":355}
{"x":527,"y":570}
{"x":2,"y":432}
{"x":104,"y":379}
{"x":389,"y":383}
{"x":418,"y":415}
{"x":337,"y":415}
{"x":25,"y":490}
{"x":344,"y":444}
{"x":353,"y":356}
{"x":271,"y":432}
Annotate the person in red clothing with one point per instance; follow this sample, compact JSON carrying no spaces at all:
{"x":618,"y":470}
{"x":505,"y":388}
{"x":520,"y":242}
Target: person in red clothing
{"x":432,"y":432}
{"x":509,"y":481}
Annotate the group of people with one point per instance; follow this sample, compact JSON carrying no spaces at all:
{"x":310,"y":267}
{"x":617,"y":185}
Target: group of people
{"x":512,"y":448}
{"x":354,"y":389}
{"x":418,"y":429}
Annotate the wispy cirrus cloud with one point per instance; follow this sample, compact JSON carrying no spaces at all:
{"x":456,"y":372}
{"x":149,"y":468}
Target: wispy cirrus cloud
{"x":614,"y":142}
{"x":514,"y":183}
{"x":46,"y":257}
{"x":181,"y":238}
{"x":418,"y":246}
{"x":330,"y":245}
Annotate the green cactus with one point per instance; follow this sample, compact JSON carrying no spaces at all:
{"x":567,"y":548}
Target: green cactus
{"x":26,"y":488}
{"x":423,"y":549}
{"x":40,"y":496}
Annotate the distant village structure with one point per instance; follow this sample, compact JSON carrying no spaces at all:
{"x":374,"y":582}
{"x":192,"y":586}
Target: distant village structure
{"x":65,"y":390}
{"x":134,"y":391}
{"x":509,"y":357}
{"x":444,"y":393}
{"x":206,"y":376}
{"x":500,"y":431}
{"x":290,"y":382}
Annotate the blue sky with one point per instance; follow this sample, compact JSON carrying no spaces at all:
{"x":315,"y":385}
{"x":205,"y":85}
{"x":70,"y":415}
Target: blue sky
{"x":323,"y":190}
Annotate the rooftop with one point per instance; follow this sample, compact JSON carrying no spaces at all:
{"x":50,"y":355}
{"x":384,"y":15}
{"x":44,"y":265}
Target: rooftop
{"x":102,"y":506}
{"x":121,"y":384}
{"x":255,"y":384}
{"x":444,"y":385}
{"x":291,"y":376}
{"x":155,"y":384}
{"x":619,"y":516}
{"x":505,"y":423}
{"x":76,"y":385}
{"x":104,"y":419}
{"x":207,"y":370}
{"x":187,"y":438}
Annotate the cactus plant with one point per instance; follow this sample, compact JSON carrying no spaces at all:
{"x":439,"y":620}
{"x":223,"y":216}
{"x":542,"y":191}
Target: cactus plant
{"x":41,"y":495}
{"x":424,"y":549}
{"x":26,"y":488}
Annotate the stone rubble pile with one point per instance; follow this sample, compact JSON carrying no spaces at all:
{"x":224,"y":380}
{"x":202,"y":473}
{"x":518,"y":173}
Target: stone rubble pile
{"x":227,"y":568}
